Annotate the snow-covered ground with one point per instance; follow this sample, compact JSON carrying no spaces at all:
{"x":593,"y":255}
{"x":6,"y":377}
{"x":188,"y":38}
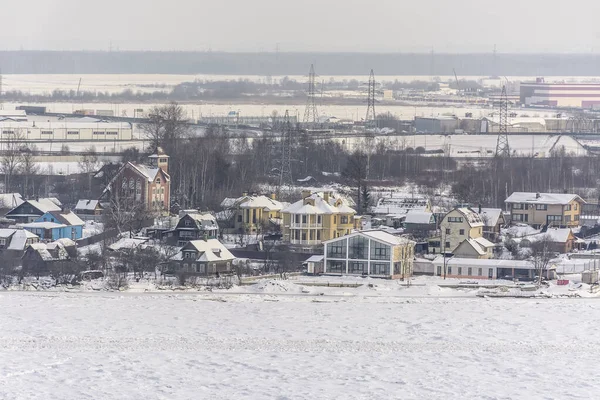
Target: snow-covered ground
{"x":229,"y":345}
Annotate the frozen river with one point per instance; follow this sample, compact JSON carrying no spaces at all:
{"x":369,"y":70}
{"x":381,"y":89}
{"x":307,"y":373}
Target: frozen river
{"x":183,"y":346}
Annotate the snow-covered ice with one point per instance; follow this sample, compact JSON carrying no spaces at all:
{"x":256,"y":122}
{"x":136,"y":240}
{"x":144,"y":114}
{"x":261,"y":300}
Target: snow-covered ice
{"x":243,"y":346}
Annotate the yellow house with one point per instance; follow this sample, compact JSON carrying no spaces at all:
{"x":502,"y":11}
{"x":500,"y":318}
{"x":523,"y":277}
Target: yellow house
{"x":474,"y":248}
{"x":456,"y":226}
{"x":254,"y":213}
{"x":539,"y":209}
{"x":316,"y":218}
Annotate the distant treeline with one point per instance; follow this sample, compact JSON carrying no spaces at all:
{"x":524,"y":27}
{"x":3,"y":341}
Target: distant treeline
{"x":155,"y":62}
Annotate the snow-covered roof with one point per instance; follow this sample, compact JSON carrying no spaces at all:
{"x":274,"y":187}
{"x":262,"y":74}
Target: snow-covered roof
{"x":490,"y":216}
{"x":45,"y":204}
{"x":399,"y":205}
{"x":208,"y":250}
{"x":418,"y":217}
{"x":149,"y":172}
{"x":315,"y":259}
{"x":87,"y":205}
{"x":481,"y":262}
{"x":379,"y":235}
{"x":480,"y":245}
{"x":321,"y":206}
{"x":264,"y":202}
{"x":42,"y":250}
{"x":127,"y":243}
{"x":43,"y":225}
{"x":10,"y":200}
{"x":18,"y":241}
{"x":542,"y":198}
{"x":65,"y":242}
{"x":69,"y":218}
{"x":473,"y":218}
{"x":555,"y":235}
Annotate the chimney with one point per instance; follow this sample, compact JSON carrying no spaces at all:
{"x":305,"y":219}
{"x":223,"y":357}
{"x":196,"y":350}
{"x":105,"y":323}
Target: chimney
{"x":305,"y":194}
{"x":326,"y":195}
{"x":205,"y":237}
{"x":273,"y":196}
{"x":537,"y":195}
{"x":479,"y":209}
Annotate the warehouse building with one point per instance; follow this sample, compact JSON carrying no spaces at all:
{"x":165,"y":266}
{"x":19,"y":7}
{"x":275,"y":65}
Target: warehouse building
{"x":44,"y":128}
{"x":579,"y":95}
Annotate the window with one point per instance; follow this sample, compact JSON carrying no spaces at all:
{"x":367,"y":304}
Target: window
{"x":112,"y":133}
{"x":185,"y":266}
{"x":337,"y":249}
{"x":517,"y":206}
{"x":97,"y":133}
{"x":335,"y":266}
{"x":188,"y":222}
{"x":567,"y":219}
{"x":447,"y":231}
{"x":380,"y":269}
{"x":334,"y":220}
{"x":447,"y":245}
{"x":138,"y":190}
{"x":554,"y":218}
{"x":490,"y":273}
{"x":479,"y":272}
{"x":469,"y":271}
{"x":303,"y":235}
{"x":72,"y":132}
{"x":542,"y":207}
{"x":380,"y":251}
{"x":304,"y":219}
{"x":163,"y":160}
{"x":459,"y":270}
{"x":318,"y":235}
{"x":357,"y":267}
{"x":8,"y":132}
{"x":520,"y":217}
{"x":461,"y":232}
{"x":157,"y":180}
{"x":194,"y":267}
{"x":435,"y":243}
{"x":449,"y":269}
{"x":124,"y":184}
{"x":568,"y":207}
{"x":439,"y":270}
{"x":455,"y":219}
{"x":358,"y":247}
{"x":297,"y":218}
{"x":319,"y":219}
{"x":239,"y":218}
{"x":575,"y":207}
{"x":46,"y":132}
{"x":344,"y":219}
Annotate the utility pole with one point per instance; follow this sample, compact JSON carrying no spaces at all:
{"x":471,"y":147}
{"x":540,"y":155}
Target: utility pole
{"x":311,"y":116}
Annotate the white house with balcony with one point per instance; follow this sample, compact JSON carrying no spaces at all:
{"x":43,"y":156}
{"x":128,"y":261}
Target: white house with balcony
{"x":373,"y":253}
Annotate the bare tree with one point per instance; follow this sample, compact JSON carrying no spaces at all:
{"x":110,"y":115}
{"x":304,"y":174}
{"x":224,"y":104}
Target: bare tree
{"x":541,"y":254}
{"x":89,"y":164}
{"x":28,"y":169}
{"x":356,"y":174}
{"x":11,"y":158}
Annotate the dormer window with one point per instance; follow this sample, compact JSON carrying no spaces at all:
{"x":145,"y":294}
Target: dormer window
{"x":188,"y":222}
{"x":157,"y":180}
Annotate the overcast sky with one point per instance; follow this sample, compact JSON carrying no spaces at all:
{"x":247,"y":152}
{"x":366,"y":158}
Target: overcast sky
{"x":306,"y":25}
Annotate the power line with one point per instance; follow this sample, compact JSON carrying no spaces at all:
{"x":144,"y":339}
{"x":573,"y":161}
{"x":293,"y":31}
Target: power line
{"x":502,"y":146}
{"x":371,"y":100}
{"x":310,"y":113}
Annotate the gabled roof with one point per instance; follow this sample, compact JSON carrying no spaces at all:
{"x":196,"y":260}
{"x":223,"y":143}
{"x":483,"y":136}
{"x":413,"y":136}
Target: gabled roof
{"x":43,"y":205}
{"x":43,"y":225}
{"x":19,"y":239}
{"x":472,"y":218}
{"x":203,"y":221}
{"x":263,"y":202}
{"x":321,"y":206}
{"x":555,"y":235}
{"x":208,"y":251}
{"x":378,"y":235}
{"x":490,"y":216}
{"x":70,"y":218}
{"x":399,"y":205}
{"x":480,"y":245}
{"x":10,"y":200}
{"x":542,"y":198}
{"x":88,"y":205}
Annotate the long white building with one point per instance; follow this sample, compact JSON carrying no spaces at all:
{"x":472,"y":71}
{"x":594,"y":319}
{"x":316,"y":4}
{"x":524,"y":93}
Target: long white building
{"x":540,"y":93}
{"x":45,"y":129}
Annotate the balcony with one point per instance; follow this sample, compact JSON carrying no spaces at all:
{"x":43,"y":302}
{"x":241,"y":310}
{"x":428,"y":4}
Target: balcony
{"x":306,"y":242}
{"x":300,"y":225}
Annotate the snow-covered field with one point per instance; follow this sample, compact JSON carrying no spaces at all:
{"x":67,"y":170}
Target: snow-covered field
{"x":230,"y":345}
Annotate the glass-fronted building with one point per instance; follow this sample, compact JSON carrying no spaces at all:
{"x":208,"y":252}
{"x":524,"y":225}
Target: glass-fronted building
{"x":370,"y":253}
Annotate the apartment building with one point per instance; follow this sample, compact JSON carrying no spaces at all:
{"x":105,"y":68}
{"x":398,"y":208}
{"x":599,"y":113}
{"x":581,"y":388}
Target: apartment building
{"x":540,"y":209}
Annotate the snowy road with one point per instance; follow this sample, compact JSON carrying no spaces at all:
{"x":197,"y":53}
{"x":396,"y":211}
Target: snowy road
{"x":113,"y":346}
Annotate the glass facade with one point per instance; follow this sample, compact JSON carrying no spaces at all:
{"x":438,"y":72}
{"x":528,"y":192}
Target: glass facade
{"x":380,"y":268}
{"x":358,"y":267}
{"x":380,"y":251}
{"x":336,"y":266}
{"x":337,"y":249}
{"x":358,"y":248}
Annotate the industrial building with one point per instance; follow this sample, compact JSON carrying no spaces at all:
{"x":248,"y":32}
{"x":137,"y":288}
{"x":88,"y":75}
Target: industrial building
{"x":52,"y":128}
{"x":579,"y":95}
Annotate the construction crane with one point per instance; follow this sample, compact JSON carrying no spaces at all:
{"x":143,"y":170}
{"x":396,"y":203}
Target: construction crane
{"x":456,"y":77}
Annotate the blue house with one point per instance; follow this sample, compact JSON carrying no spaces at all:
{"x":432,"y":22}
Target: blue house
{"x":54,"y":225}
